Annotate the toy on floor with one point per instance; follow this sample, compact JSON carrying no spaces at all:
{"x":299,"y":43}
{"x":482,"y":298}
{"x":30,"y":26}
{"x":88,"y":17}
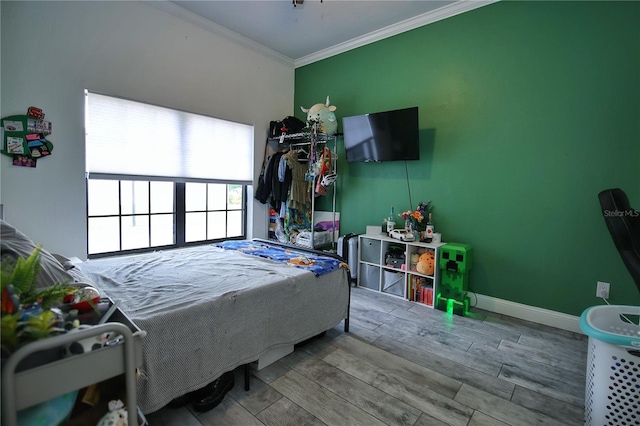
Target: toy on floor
{"x":117,"y":415}
{"x":456,"y":261}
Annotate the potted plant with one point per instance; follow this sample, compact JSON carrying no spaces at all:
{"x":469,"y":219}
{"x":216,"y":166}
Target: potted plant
{"x":26,"y":310}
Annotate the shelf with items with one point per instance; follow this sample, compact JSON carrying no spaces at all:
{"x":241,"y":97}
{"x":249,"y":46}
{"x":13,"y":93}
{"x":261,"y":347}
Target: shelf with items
{"x":28,"y":387}
{"x":400,"y":268}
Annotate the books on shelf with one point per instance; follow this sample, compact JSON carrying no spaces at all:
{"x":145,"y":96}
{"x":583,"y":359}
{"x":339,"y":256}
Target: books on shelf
{"x":420,"y":289}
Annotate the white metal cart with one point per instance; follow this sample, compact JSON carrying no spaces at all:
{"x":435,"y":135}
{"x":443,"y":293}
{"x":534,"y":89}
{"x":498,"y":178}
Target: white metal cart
{"x":35,"y":385}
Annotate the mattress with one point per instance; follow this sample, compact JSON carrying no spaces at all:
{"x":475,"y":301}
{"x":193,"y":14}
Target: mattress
{"x":207,"y":311}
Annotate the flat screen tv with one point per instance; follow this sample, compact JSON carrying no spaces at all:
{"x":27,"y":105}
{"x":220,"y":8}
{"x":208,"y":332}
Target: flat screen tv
{"x":382,"y":136}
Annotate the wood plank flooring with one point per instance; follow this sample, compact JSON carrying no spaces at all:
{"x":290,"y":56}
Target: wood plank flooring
{"x":405,"y":364}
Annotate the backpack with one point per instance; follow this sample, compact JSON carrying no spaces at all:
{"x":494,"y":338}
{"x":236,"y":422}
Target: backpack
{"x":293,"y":125}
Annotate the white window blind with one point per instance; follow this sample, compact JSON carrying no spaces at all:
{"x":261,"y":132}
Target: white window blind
{"x":131,"y":138}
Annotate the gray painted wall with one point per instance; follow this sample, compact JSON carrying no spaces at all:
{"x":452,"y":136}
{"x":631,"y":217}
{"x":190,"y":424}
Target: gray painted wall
{"x":52,"y":51}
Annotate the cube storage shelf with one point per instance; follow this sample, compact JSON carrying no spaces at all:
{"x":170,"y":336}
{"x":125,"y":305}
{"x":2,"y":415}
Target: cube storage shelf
{"x":398,"y":278}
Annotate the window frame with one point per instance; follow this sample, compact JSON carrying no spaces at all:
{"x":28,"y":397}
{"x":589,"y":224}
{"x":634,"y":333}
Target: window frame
{"x":179,"y":212}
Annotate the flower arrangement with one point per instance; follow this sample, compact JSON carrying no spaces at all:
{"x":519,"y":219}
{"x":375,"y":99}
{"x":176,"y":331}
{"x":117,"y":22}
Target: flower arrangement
{"x":417,"y":216}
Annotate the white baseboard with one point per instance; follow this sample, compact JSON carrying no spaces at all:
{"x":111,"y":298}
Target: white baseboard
{"x":528,"y":313}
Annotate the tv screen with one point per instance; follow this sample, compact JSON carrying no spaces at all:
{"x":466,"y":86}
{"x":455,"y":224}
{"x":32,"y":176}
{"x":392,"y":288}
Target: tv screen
{"x":382,"y":136}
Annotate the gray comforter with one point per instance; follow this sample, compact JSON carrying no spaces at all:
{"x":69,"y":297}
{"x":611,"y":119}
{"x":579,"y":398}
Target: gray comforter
{"x":207,"y":311}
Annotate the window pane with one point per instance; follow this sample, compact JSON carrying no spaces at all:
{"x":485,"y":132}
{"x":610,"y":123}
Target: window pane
{"x":103,"y":234}
{"x":217,"y":225}
{"x":235,"y":197}
{"x":195,"y":227}
{"x":217,"y":196}
{"x":234,"y":224}
{"x":134,"y":196}
{"x":135,"y":232}
{"x":162,"y":230}
{"x":162,"y":197}
{"x":213,"y":212}
{"x":102,"y":197}
{"x":195,"y":196}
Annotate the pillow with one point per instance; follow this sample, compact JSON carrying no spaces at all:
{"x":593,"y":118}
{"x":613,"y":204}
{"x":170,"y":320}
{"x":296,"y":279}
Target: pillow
{"x":15,"y":244}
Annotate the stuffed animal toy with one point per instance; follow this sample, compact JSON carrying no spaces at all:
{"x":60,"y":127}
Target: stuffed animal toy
{"x":324,"y":113}
{"x":117,"y":415}
{"x":426,"y":263}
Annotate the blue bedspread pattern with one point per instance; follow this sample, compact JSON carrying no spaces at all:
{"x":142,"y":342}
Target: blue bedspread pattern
{"x":319,"y":265}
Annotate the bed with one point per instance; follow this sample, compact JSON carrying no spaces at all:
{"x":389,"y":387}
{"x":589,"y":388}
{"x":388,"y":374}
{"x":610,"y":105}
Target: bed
{"x":209,"y":309}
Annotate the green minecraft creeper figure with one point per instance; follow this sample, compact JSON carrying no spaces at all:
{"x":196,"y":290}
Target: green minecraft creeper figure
{"x":455,"y":263}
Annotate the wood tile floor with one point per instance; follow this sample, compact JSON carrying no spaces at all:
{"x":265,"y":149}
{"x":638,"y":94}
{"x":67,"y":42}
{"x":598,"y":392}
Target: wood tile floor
{"x":405,"y":364}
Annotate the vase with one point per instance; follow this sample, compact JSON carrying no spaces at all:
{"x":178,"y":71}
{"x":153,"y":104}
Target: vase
{"x":408,"y":226}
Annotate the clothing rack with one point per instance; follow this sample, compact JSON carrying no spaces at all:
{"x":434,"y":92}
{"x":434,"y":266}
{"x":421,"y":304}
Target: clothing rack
{"x":303,"y":140}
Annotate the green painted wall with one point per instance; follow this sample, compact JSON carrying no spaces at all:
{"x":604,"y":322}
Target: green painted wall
{"x":527,"y":111}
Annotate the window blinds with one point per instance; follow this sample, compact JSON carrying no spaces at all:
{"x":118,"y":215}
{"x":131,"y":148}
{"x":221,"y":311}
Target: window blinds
{"x":125,"y":137}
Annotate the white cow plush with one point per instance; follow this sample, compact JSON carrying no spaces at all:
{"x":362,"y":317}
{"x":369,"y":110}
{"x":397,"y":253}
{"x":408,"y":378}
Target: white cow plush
{"x":323,"y":113}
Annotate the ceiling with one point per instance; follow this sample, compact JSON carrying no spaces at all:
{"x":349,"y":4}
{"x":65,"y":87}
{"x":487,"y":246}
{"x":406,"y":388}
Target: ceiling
{"x":316,"y":29}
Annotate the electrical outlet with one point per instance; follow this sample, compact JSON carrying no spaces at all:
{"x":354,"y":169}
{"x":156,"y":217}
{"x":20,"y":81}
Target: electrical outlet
{"x":602,"y":290}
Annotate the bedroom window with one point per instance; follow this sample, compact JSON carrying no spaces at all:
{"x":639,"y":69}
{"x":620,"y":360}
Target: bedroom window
{"x":158,"y":177}
{"x":213,"y":211}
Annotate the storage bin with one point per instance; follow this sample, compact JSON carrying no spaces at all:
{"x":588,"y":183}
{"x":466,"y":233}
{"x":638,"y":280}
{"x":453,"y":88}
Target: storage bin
{"x":370,"y":251}
{"x":393,"y":283}
{"x":612,"y":393}
{"x":369,"y":277}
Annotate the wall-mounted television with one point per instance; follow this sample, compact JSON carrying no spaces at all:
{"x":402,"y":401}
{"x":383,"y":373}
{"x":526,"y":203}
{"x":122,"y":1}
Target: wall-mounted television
{"x":382,"y":136}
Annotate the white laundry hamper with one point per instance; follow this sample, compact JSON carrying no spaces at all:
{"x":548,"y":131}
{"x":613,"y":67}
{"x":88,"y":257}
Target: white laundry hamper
{"x":612,"y":394}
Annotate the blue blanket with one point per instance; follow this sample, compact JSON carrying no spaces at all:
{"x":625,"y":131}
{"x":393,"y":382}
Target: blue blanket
{"x":319,"y":265}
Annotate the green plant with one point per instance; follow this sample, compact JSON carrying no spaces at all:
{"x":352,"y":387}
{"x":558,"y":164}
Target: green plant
{"x":40,"y":326}
{"x":9,"y":332}
{"x":22,"y":273}
{"x":19,"y":289}
{"x":49,"y":296}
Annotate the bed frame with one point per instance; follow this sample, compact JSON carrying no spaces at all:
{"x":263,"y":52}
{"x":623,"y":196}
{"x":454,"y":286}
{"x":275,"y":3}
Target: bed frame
{"x":177,"y":306}
{"x":319,"y":253}
{"x":270,"y":357}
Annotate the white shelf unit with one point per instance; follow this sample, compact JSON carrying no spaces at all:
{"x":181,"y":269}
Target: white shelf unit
{"x":400,"y":281}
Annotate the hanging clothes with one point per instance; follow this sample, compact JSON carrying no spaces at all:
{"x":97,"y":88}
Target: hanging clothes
{"x":296,"y":220}
{"x":299,"y":192}
{"x":269,"y":173}
{"x":285,"y":186}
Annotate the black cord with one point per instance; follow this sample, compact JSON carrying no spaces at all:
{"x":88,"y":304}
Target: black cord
{"x":406,"y":169}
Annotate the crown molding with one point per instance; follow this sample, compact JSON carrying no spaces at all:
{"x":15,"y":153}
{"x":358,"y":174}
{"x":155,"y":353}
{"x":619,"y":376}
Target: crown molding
{"x":436,"y":15}
{"x":200,"y":22}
